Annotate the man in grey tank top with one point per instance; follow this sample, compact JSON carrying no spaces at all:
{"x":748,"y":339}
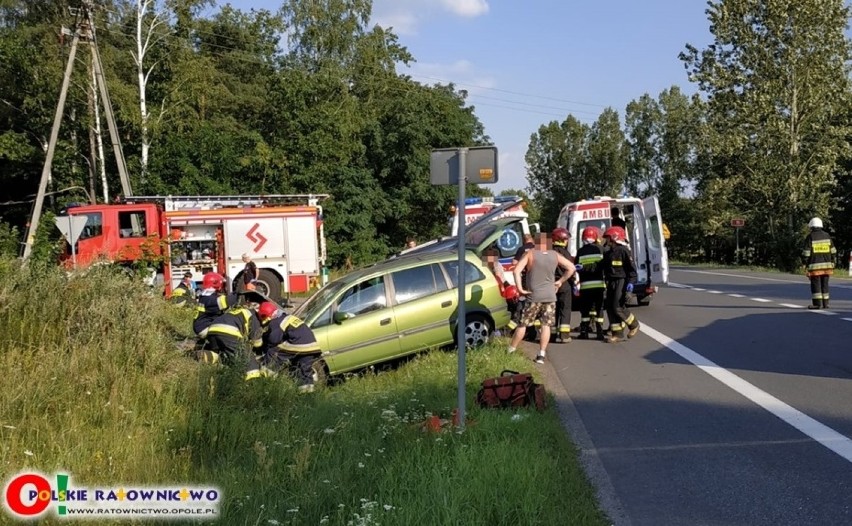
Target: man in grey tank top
{"x":540,"y":290}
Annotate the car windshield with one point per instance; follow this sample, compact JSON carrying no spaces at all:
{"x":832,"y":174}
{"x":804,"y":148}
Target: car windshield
{"x":316,"y":303}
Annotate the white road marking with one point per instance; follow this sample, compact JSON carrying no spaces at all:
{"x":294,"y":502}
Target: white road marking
{"x":846,"y":319}
{"x":818,"y":431}
{"x":803,"y":280}
{"x":761,"y":300}
{"x":792,"y":305}
{"x":736,"y":295}
{"x":824,"y":312}
{"x":678,"y":285}
{"x":699,"y":290}
{"x":714,"y":291}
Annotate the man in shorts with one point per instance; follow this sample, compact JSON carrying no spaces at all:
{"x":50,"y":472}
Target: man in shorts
{"x":540,"y":289}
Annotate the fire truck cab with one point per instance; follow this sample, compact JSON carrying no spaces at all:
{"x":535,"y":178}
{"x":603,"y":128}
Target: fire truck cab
{"x":644,"y":231}
{"x":283,"y":235}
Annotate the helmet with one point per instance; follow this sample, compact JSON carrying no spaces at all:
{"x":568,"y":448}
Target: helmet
{"x":591,"y":234}
{"x":815,"y":223}
{"x":212,"y":280}
{"x":616,"y":233}
{"x":510,"y":292}
{"x":267,"y":310}
{"x":560,"y":234}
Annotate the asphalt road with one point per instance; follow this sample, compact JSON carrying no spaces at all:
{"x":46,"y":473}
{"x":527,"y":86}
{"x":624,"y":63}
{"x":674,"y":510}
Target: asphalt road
{"x":733,"y":406}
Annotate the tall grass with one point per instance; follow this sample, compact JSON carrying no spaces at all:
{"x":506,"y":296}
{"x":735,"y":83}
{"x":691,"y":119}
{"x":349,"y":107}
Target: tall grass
{"x":96,"y":388}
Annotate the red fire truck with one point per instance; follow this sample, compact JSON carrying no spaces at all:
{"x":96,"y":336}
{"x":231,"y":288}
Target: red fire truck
{"x":283,"y":235}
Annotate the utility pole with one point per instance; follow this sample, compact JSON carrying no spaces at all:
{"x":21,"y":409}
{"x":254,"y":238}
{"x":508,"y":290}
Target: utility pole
{"x":51,"y":148}
{"x":85,"y":29}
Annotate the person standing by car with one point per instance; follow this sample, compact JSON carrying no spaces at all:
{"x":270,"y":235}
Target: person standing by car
{"x":819,"y":253}
{"x":288,"y":341}
{"x":529,"y":244}
{"x":249,"y":273}
{"x":561,"y":237}
{"x":540,"y":290}
{"x":592,"y":284}
{"x":620,"y":274}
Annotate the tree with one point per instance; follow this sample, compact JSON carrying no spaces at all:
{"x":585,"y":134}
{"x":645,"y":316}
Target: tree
{"x":607,"y":157}
{"x":776,"y":77}
{"x":557,"y":166}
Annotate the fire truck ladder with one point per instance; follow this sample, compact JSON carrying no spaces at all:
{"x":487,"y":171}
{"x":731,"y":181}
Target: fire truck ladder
{"x":211,"y":202}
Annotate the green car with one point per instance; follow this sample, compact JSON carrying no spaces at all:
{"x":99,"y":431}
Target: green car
{"x":401,"y":306}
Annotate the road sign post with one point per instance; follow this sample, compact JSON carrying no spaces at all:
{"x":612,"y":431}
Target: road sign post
{"x":460,"y":166}
{"x":737,"y":223}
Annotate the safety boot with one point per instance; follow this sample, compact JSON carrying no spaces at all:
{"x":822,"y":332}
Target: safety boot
{"x":584,"y":331}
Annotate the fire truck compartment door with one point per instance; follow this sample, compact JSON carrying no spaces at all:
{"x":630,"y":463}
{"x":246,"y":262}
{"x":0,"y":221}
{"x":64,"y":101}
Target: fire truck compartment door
{"x":302,"y":244}
{"x":259,"y":238}
{"x":657,"y":253}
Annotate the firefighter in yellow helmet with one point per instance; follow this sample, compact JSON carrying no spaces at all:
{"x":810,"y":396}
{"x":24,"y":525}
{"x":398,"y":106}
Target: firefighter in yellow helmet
{"x":819,"y":253}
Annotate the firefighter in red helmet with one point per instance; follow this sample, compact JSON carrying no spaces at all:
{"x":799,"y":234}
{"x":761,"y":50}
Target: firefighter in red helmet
{"x":561,"y":238}
{"x":620,"y":275}
{"x":212,"y":303}
{"x":288,"y":343}
{"x":592,"y":284}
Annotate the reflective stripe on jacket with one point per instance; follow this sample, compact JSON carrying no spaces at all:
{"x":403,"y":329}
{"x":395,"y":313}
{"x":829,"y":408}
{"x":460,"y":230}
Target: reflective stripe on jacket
{"x":819,"y":253}
{"x":289,"y":334}
{"x":239,"y":322}
{"x":592,"y":273}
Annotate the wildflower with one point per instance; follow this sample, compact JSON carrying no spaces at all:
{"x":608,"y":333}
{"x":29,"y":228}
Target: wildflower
{"x":273,"y":522}
{"x":328,"y":431}
{"x":381,"y":450}
{"x":9,"y":427}
{"x":324,"y":519}
{"x":367,"y":455}
{"x":387,"y":507}
{"x":360,"y":464}
{"x":293,"y":510}
{"x":326,"y":481}
{"x":28,"y":453}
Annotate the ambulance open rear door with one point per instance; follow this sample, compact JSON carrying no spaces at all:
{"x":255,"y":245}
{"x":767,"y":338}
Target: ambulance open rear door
{"x":657,"y":254}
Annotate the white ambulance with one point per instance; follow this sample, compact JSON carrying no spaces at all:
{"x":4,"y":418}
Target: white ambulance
{"x":644,"y":231}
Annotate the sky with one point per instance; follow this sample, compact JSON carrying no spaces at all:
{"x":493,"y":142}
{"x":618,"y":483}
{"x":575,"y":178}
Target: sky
{"x":525,"y":63}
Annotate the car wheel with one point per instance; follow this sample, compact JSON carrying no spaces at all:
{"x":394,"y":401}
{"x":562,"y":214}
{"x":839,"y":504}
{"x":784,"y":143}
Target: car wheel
{"x":477,"y":330}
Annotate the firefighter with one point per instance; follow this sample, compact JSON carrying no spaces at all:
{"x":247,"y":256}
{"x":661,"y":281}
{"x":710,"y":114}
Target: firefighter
{"x":229,"y":334}
{"x":212,"y":302}
{"x":592,"y":285}
{"x":184,"y":293}
{"x":620,"y":275}
{"x":287,"y":343}
{"x":819,"y":253}
{"x":560,"y":238}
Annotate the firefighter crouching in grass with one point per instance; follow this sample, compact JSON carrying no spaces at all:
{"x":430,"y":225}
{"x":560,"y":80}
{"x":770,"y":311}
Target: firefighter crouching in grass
{"x":230,"y":334}
{"x":620,"y":275}
{"x":212,"y":302}
{"x":592,"y":285}
{"x":287,"y":342}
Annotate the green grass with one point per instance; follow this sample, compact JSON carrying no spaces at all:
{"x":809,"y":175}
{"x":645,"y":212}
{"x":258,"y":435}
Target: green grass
{"x":101,"y":393}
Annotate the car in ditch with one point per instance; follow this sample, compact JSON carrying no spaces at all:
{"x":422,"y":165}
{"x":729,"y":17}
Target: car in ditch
{"x":401,"y":306}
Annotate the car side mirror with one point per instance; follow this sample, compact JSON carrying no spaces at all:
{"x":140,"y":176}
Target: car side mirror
{"x":340,"y":317}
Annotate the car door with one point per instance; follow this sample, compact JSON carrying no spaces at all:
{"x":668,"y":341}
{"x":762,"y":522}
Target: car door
{"x":658,"y":256}
{"x":423,"y":306}
{"x":363,"y":329}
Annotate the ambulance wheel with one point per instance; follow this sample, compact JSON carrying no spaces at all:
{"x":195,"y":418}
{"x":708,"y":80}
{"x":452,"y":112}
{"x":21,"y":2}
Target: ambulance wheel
{"x":268,"y":283}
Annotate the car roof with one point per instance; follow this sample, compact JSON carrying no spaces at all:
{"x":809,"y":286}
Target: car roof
{"x":401,"y":262}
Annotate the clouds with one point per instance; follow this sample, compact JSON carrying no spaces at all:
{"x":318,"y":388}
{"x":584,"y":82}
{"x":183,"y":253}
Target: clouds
{"x":404,"y":16}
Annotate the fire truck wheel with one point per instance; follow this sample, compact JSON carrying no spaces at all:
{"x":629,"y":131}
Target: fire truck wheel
{"x":269,"y":284}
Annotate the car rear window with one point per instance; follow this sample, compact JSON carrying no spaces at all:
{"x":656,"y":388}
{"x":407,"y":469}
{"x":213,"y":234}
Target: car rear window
{"x":471,"y":272}
{"x":413,"y":283}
